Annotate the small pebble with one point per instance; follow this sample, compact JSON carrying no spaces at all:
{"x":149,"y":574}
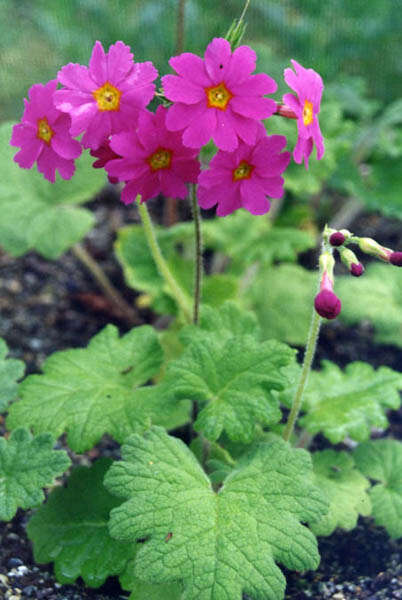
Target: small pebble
{"x":14,"y":562}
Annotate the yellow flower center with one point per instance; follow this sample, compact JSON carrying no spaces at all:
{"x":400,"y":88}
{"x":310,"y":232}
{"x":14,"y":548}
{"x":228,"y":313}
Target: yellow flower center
{"x":218,"y":96}
{"x":242,"y":171}
{"x":44,"y":131}
{"x":308,"y":115}
{"x":160,"y":159}
{"x":107,"y":97}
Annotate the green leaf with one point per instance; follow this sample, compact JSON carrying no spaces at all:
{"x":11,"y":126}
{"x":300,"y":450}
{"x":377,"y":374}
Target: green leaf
{"x":71,"y":529}
{"x":177,"y":247}
{"x":377,"y":296}
{"x":381,"y":460}
{"x":246,"y":240}
{"x":10,"y":371}
{"x":232,"y":381}
{"x":26,"y":466}
{"x":229,"y":320}
{"x":39,"y":215}
{"x":91,"y":391}
{"x":345,"y":488}
{"x":349,"y":403}
{"x":141,"y":590}
{"x":282,"y":298}
{"x":219,"y":544}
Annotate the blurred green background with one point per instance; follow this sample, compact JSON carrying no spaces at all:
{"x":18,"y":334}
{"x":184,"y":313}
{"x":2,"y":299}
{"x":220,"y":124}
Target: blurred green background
{"x":355,"y":46}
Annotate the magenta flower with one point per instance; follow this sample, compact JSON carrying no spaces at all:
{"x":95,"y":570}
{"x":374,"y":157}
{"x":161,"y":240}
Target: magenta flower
{"x":43,"y":135}
{"x":326,"y":303}
{"x":306,"y":105}
{"x":104,"y":98}
{"x":244,"y":178}
{"x":104,"y":154}
{"x":153,"y":161}
{"x":218,"y":97}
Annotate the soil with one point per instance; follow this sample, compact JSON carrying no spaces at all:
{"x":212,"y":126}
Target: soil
{"x":54,"y":305}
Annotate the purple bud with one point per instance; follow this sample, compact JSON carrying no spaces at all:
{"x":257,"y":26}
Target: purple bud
{"x":327,"y":304}
{"x":337,"y":238}
{"x":356,"y":269}
{"x":396,"y":259}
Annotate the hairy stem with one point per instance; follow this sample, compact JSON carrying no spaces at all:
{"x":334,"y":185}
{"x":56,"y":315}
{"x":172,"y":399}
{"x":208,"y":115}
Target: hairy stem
{"x":307,"y":362}
{"x":160,"y":262}
{"x":106,"y":285}
{"x":198,"y":254}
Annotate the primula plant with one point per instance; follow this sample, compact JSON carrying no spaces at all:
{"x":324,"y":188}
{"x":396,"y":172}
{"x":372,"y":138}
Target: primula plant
{"x":220,"y":483}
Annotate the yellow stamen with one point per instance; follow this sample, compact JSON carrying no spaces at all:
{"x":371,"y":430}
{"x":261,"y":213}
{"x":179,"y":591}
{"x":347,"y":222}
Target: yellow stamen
{"x":160,"y":159}
{"x":44,"y":131}
{"x":242,"y":171}
{"x":218,"y":96}
{"x":107,"y":97}
{"x":308,"y":115}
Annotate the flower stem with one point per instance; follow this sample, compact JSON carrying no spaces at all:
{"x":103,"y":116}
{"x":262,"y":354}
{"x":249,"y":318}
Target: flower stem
{"x":308,"y":359}
{"x":160,"y":262}
{"x":198,"y":254}
{"x":106,"y":285}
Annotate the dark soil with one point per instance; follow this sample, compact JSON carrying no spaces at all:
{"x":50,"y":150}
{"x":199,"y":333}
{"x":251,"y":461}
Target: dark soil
{"x":54,"y":305}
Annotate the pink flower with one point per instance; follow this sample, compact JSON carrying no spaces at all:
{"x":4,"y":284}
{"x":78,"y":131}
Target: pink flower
{"x":306,"y":105}
{"x":105,"y":97}
{"x":104,"y":153}
{"x":218,"y":97}
{"x":153,"y":161}
{"x":245,"y":177}
{"x":43,"y":135}
{"x":326,"y":303}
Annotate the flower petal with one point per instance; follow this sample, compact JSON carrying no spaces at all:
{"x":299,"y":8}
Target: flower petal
{"x":224,"y":135}
{"x":200,"y":130}
{"x":98,"y":64}
{"x":76,"y":77}
{"x":253,"y":197}
{"x":217,"y":58}
{"x":252,"y":107}
{"x":241,"y":65}
{"x":119,"y":62}
{"x":178,"y":89}
{"x":29,"y":153}
{"x":191,"y":67}
{"x":256,"y":85}
{"x":180,"y":115}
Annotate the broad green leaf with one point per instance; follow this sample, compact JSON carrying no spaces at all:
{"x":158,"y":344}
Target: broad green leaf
{"x":141,"y":590}
{"x":223,"y":544}
{"x":232,"y":381}
{"x":10,"y":371}
{"x":345,"y":488}
{"x":39,"y":215}
{"x":282,"y":298}
{"x":177,"y":248}
{"x":246,"y":240}
{"x":348,"y":403}
{"x":26,"y":466}
{"x":381,"y":460}
{"x":71,"y":529}
{"x":229,"y":321}
{"x":377,"y":296}
{"x":91,"y":391}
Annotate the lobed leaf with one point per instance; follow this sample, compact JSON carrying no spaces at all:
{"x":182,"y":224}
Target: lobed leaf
{"x":27,"y":465}
{"x":232,"y":381}
{"x":71,"y":529}
{"x":381,"y":460}
{"x":91,"y":391}
{"x":219,"y":545}
{"x":349,"y":403}
{"x":346,"y":489}
{"x":39,"y":215}
{"x":10,"y":371}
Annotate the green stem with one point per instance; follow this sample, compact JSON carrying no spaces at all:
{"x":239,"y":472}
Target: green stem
{"x":198,"y":254}
{"x":105,"y":284}
{"x":308,"y":359}
{"x":160,"y":262}
{"x":243,"y":14}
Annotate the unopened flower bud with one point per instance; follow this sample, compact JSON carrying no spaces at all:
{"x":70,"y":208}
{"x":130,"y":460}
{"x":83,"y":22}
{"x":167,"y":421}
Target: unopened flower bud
{"x":370,"y":246}
{"x":327,"y":263}
{"x":356,"y":269}
{"x":337,"y":238}
{"x":327,"y":304}
{"x":396,"y":259}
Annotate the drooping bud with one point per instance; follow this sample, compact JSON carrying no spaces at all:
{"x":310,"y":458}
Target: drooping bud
{"x":396,"y":259}
{"x":285,"y":111}
{"x":326,"y":303}
{"x":351,"y":261}
{"x":337,"y":238}
{"x":370,"y":246}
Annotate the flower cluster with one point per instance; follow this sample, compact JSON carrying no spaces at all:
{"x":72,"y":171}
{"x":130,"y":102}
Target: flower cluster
{"x":217,"y":97}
